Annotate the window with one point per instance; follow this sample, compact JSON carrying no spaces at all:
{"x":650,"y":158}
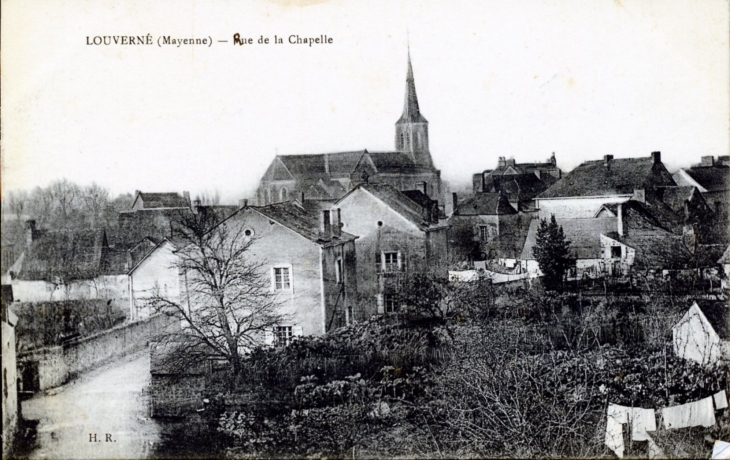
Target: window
{"x":419,"y":140}
{"x":402,"y":141}
{"x":248,"y":232}
{"x":391,"y":261}
{"x":284,"y":194}
{"x":378,"y":263}
{"x":350,"y":318}
{"x":390,"y":304}
{"x":338,"y":272}
{"x":615,"y":252}
{"x":282,"y":278}
{"x":282,"y":335}
{"x":483,"y":233}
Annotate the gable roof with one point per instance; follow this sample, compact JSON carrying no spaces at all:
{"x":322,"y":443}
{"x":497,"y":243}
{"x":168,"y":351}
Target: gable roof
{"x":717,"y":315}
{"x":485,"y":204}
{"x":676,"y":197}
{"x":161,"y":200}
{"x":711,"y":178}
{"x":69,"y":254}
{"x":398,"y":202}
{"x":584,"y":236}
{"x":621,"y":177}
{"x":296,"y":218}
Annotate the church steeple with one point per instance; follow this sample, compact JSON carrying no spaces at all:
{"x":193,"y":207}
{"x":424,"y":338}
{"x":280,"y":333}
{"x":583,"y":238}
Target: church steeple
{"x":411,"y":130}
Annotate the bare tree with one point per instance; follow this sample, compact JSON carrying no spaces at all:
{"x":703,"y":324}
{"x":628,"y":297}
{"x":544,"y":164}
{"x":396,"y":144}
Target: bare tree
{"x":64,"y":195}
{"x":227,"y":304}
{"x":96,"y":199}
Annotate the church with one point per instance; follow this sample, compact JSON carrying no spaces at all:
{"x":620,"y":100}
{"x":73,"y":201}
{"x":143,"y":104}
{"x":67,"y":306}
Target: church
{"x":329,"y":176}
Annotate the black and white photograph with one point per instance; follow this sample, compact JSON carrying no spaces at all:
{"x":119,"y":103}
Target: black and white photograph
{"x":386,"y":229}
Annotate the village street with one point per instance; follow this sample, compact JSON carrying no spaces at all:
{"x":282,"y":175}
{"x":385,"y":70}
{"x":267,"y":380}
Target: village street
{"x":101,"y":415}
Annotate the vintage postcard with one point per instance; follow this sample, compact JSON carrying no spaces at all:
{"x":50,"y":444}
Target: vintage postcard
{"x":384,"y":229}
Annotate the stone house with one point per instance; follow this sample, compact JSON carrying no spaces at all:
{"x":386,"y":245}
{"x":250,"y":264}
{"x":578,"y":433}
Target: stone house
{"x":712,"y":178}
{"x":486,"y":226}
{"x":397,"y":237}
{"x":581,"y":192}
{"x":155,"y":274}
{"x":586,"y":250}
{"x":332,"y":175}
{"x":68,"y":264}
{"x":520,"y":182}
{"x":701,"y":335}
{"x":311,"y":262}
{"x":10,"y":374}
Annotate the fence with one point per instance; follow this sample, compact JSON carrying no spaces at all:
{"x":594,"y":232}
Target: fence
{"x":53,"y":366}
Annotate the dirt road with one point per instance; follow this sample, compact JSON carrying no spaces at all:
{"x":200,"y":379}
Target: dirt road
{"x":101,"y":415}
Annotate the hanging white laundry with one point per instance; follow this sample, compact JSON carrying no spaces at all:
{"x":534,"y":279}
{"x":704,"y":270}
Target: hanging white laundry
{"x":721,"y":449}
{"x":615,"y":436}
{"x":697,"y":413}
{"x":720,"y":400}
{"x":616,"y":416}
{"x":654,"y":450}
{"x":642,"y":420}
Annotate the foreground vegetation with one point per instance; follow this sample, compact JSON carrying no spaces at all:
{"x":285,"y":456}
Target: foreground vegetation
{"x":528,"y":374}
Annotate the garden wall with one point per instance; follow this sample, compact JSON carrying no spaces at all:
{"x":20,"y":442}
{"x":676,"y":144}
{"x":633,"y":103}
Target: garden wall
{"x":50,"y":367}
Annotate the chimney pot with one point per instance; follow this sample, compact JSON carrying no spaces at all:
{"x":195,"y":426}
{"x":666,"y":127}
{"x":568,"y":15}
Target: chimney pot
{"x":621,"y":228}
{"x":502,"y":162}
{"x":656,"y":157}
{"x":337,"y":227}
{"x":30,"y":231}
{"x":326,"y":224}
{"x":708,"y":161}
{"x":607,"y":159}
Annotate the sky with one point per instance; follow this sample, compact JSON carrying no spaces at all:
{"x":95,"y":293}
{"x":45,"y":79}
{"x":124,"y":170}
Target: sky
{"x":513,"y":78}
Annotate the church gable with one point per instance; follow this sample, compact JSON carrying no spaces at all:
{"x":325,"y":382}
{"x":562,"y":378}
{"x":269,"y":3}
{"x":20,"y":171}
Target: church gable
{"x":278,"y":171}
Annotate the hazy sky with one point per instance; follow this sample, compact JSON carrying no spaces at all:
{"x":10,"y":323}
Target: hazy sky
{"x":582,"y":78}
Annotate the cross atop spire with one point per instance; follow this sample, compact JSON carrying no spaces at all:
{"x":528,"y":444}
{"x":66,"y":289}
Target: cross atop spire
{"x":411,"y":112}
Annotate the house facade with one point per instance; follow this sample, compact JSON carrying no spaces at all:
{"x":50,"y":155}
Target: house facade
{"x":397,"y":237}
{"x":486,"y":226}
{"x":157,"y":273}
{"x":10,"y":371}
{"x":332,"y":175}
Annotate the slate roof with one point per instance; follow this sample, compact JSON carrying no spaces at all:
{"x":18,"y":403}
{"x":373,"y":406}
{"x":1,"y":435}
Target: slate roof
{"x":72,"y":254}
{"x":584,"y":236}
{"x":712,"y":178}
{"x":623,"y":176}
{"x":718,"y":314}
{"x":676,"y":197}
{"x":524,"y":186}
{"x":295,"y":217}
{"x":725,"y":259}
{"x":657,"y":249}
{"x":485,"y":204}
{"x":398,"y":202}
{"x":411,"y":111}
{"x":162,"y":200}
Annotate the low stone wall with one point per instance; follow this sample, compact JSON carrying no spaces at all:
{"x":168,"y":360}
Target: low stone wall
{"x":54,"y":366}
{"x":175,"y":395}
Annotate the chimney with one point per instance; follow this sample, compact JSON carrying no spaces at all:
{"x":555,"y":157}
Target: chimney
{"x":196,"y":205}
{"x":511,"y":162}
{"x":656,"y":157}
{"x":502,"y":163}
{"x":424,"y":188}
{"x":326,"y":224}
{"x":30,"y":231}
{"x":243,"y":203}
{"x":300,"y":197}
{"x":337,"y":225}
{"x":186,"y":195}
{"x":454,"y":200}
{"x":639,"y":195}
{"x":620,"y":224}
{"x":326,"y":164}
{"x":553,"y":161}
{"x":607,"y":160}
{"x":707,"y":161}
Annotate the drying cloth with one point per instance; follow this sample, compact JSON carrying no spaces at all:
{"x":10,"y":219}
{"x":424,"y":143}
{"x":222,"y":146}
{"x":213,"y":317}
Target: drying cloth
{"x":721,"y":449}
{"x":642,"y":420}
{"x":720,"y":400}
{"x":619,"y":413}
{"x":654,"y":450}
{"x":698,"y":413}
{"x":615,"y":436}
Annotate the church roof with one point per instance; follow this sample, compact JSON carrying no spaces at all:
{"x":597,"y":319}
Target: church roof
{"x":162,"y":200}
{"x":411,"y":112}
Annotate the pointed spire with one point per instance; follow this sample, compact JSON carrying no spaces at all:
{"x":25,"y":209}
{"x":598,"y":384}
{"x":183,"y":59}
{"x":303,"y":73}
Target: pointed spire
{"x":411,"y":112}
